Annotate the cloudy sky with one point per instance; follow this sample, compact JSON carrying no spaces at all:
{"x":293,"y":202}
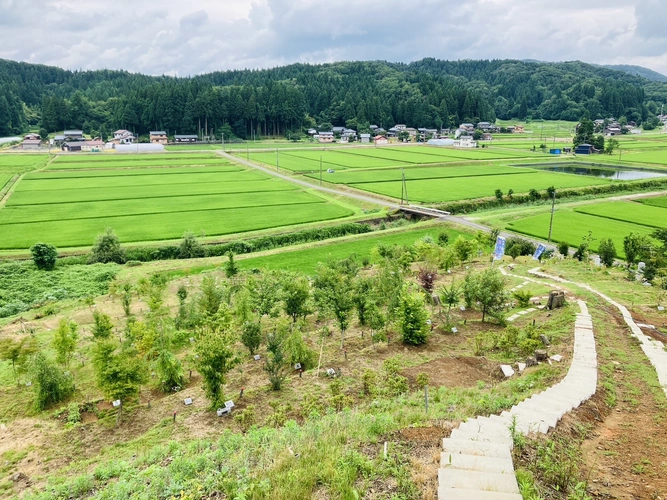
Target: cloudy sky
{"x":179,"y":37}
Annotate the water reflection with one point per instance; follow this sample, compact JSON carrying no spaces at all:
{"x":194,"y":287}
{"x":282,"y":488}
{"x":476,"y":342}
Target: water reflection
{"x":624,"y":174}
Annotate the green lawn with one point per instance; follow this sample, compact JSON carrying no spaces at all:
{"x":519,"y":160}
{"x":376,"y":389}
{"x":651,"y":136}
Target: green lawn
{"x":306,"y":260}
{"x":573,"y":226}
{"x":628,"y":211}
{"x":452,"y":189}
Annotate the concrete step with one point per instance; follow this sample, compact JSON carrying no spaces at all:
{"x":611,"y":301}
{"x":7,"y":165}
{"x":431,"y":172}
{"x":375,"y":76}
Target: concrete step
{"x":473,"y":480}
{"x":477,"y":463}
{"x":467,"y":447}
{"x":487,"y":437}
{"x":466,"y":494}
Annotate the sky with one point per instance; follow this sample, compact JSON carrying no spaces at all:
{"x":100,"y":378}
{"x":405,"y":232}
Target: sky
{"x":184,"y":38}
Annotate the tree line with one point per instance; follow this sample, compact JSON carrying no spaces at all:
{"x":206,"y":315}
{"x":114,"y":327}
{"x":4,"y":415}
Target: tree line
{"x":286,"y":100}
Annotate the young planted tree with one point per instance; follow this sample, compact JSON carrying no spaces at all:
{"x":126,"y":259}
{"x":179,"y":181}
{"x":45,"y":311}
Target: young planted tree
{"x":464,"y":248}
{"x":17,"y":352}
{"x":363,"y":298}
{"x":276,"y":363}
{"x":426,"y":277}
{"x":210,"y":298}
{"x":126,"y":298}
{"x":633,"y":246}
{"x":450,"y":296}
{"x":51,"y":384}
{"x":169,"y":370}
{"x":334,"y":295}
{"x":217,"y":357}
{"x":44,"y":256}
{"x":251,"y":336}
{"x":231,"y":268}
{"x":107,"y":248}
{"x":564,"y":248}
{"x":102,"y":326}
{"x":607,"y":252}
{"x":120,"y":371}
{"x":265,"y":294}
{"x":490,"y":292}
{"x":64,"y":341}
{"x":295,"y":295}
{"x":413,"y":317}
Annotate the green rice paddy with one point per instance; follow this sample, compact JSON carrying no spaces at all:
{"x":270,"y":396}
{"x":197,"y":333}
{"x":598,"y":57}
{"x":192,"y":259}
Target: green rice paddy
{"x":628,"y":211}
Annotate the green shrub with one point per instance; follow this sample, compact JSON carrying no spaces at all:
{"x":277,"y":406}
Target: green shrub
{"x":523,"y":297}
{"x":51,"y":384}
{"x":413,"y":318}
{"x":564,"y":248}
{"x":107,"y":248}
{"x":44,"y":256}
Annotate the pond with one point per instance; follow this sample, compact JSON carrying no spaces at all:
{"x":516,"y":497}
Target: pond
{"x":612,"y":173}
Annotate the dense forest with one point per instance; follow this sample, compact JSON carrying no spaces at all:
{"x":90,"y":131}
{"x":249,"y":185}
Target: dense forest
{"x":426,"y":93}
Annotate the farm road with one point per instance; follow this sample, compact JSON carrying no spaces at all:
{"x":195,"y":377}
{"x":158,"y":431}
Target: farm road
{"x":369,"y":199}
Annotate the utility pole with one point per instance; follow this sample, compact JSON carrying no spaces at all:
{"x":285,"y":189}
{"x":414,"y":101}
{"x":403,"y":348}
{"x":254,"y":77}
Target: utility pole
{"x":404,"y":189}
{"x":277,"y":161}
{"x":553,"y":208}
{"x":223,"y":141}
{"x":320,"y":170}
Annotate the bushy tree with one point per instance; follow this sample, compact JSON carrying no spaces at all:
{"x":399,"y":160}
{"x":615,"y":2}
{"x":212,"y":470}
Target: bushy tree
{"x":44,"y":256}
{"x":51,"y":384}
{"x":17,"y":352}
{"x":265,"y":294}
{"x":107,"y":248}
{"x":276,"y":363}
{"x":251,"y":336}
{"x":334,"y":295}
{"x":581,"y":253}
{"x":211,"y":297}
{"x":486,"y":288}
{"x":413,"y":317}
{"x":119,"y":370}
{"x":190,"y":247}
{"x":231,"y":268}
{"x":295,"y":296}
{"x":102,"y":325}
{"x":217,"y":357}
{"x":64,"y":341}
{"x":499,"y":194}
{"x":564,"y":248}
{"x":607,"y":252}
{"x":169,"y":370}
{"x":464,"y":248}
{"x":634,"y":245}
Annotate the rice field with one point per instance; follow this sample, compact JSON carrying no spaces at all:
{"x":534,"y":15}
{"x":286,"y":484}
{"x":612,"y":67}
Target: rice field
{"x":69,"y":207}
{"x":107,"y":161}
{"x":658,"y":201}
{"x":445,"y":189}
{"x":380,"y":157}
{"x":628,"y":211}
{"x":572,"y":227}
{"x":16,"y":163}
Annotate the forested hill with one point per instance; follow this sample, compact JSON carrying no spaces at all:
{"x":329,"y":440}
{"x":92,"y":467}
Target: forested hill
{"x":649,"y":74}
{"x":426,"y":93}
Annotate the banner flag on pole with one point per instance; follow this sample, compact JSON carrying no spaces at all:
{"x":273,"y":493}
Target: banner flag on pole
{"x":500,"y":248}
{"x":539,"y":251}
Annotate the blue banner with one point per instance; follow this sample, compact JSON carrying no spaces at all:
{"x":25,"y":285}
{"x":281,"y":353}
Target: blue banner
{"x":500,"y":248}
{"x":539,"y":251}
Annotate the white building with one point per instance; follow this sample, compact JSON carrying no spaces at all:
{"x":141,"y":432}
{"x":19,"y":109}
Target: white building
{"x":465,"y":142}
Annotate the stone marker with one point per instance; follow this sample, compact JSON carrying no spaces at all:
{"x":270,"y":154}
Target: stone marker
{"x":641,"y":266}
{"x":28,"y":384}
{"x":557,"y":358}
{"x":187,"y":401}
{"x":544,"y":339}
{"x":463,"y":308}
{"x":541,"y":355}
{"x":297,"y":366}
{"x":229,"y":404}
{"x":661,"y":308}
{"x":331,"y":372}
{"x":531,"y":362}
{"x":257,"y":357}
{"x":223,"y":411}
{"x":522,"y":367}
{"x":507,"y":370}
{"x":455,"y":330}
{"x":116,"y":403}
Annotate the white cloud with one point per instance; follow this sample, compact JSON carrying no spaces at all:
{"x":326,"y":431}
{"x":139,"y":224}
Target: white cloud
{"x":187,"y":38}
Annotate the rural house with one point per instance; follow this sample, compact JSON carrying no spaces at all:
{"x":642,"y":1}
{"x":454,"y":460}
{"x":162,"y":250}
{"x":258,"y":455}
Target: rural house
{"x":31,"y":144}
{"x":123,"y":137}
{"x":365,"y":138}
{"x":76,"y":135}
{"x":380,"y":140}
{"x":158,"y":137}
{"x":185,"y":138}
{"x":326,"y":137}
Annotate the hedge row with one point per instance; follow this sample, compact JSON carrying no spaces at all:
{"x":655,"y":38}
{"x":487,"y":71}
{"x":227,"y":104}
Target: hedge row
{"x":469,"y":206}
{"x":172,"y":252}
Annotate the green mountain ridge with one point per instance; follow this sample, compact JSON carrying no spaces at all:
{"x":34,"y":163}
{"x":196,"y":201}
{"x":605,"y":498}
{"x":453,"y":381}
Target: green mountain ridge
{"x":276,"y":101}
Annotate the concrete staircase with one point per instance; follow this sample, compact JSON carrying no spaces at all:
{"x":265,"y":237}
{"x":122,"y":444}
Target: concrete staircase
{"x":476,"y":462}
{"x":654,"y":349}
